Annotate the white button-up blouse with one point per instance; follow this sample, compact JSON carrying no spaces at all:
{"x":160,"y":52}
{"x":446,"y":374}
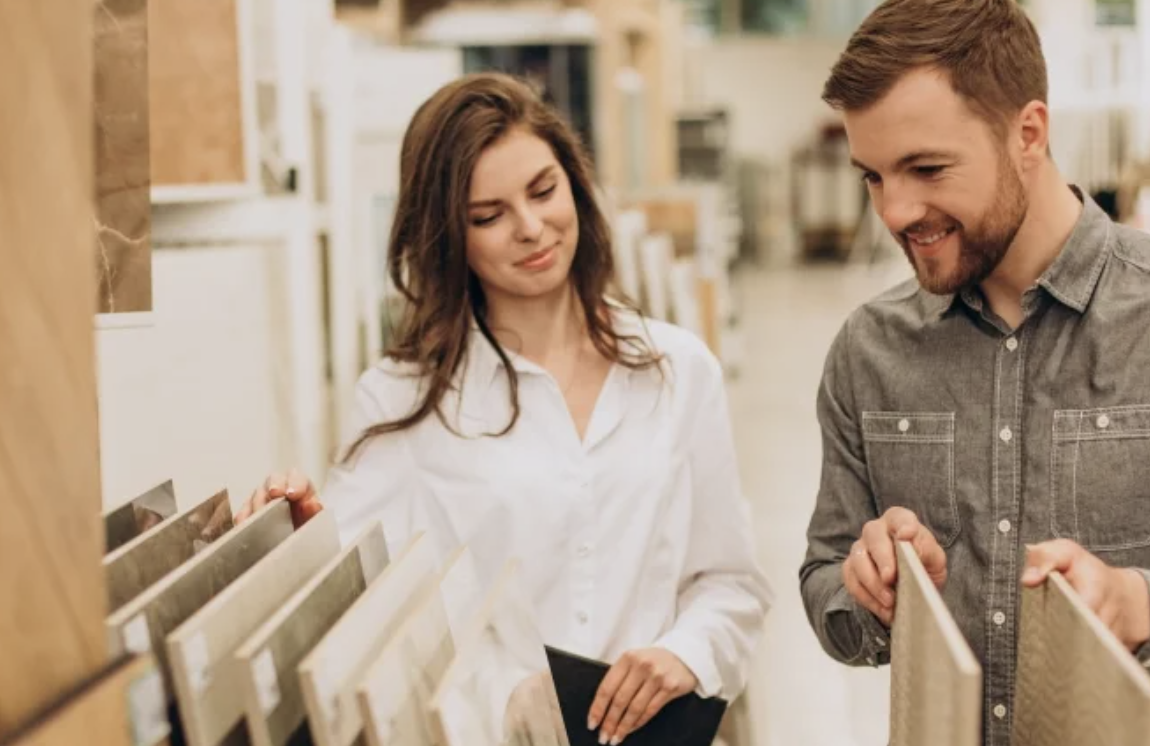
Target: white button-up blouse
{"x":637,"y":536}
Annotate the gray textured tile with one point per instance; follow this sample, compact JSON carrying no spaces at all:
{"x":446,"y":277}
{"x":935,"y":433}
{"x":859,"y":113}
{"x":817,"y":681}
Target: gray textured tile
{"x":1076,"y":683}
{"x":209,"y":687}
{"x":135,"y":566}
{"x":138,"y":516}
{"x":268,"y":660}
{"x":936,"y":682}
{"x":147,"y":620}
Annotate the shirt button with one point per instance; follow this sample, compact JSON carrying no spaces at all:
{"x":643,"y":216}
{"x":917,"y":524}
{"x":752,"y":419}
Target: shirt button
{"x":1012,"y":344}
{"x":999,"y":618}
{"x":1004,"y":527}
{"x":1006,"y":435}
{"x":1000,"y":711}
{"x":880,"y":642}
{"x":582,"y":617}
{"x":903,"y":425}
{"x":1103,"y":422}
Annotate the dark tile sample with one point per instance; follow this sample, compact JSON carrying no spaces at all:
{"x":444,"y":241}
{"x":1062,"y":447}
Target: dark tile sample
{"x":139,"y":515}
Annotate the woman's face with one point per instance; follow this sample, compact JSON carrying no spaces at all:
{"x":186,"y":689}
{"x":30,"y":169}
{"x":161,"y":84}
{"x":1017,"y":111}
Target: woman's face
{"x":522,"y":225}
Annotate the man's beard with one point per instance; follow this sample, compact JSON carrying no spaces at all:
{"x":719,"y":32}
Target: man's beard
{"x":980,"y":248}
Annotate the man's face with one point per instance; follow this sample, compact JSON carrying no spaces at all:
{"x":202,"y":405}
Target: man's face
{"x":941,"y":180}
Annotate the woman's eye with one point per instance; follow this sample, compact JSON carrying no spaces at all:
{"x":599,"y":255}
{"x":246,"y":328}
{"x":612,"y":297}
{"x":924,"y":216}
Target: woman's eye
{"x":545,"y":193}
{"x":486,"y":220}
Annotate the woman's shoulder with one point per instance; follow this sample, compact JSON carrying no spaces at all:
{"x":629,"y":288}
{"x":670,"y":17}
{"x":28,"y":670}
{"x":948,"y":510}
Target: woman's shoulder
{"x":390,"y":385}
{"x":685,"y":352}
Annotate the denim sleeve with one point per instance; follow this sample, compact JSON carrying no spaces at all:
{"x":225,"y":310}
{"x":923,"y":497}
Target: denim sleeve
{"x":1143,"y":653}
{"x":847,"y":631}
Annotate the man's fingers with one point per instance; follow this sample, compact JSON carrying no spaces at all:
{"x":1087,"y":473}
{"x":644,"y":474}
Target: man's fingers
{"x":1043,"y":559}
{"x":933,"y":556}
{"x":864,"y":596}
{"x":902,"y":524}
{"x":877,"y":539}
{"x":868,"y":577}
{"x":606,"y":693}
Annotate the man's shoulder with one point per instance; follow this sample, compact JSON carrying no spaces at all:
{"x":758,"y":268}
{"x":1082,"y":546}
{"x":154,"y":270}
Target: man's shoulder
{"x":905,"y":305}
{"x":1132,"y":248}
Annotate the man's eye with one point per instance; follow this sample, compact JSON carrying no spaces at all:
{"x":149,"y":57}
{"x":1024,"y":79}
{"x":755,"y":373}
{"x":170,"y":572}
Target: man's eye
{"x":871,"y":178}
{"x":929,"y":170}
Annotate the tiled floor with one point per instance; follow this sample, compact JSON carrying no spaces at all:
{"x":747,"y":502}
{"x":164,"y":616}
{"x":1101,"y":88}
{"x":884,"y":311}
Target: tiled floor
{"x":798,"y":696}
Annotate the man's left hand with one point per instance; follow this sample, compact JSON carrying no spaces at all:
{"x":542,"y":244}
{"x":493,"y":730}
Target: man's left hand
{"x":635,"y":690}
{"x":1119,"y":596}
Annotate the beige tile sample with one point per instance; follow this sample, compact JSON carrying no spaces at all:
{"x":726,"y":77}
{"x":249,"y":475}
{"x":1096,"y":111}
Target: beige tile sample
{"x":49,"y":433}
{"x":123,"y":706}
{"x":936,"y":682}
{"x":331,"y":673}
{"x":145,"y":622}
{"x":1076,"y":683}
{"x":139,"y":515}
{"x":135,"y":566}
{"x":396,"y":690}
{"x":497,"y":690}
{"x":209,"y":686}
{"x":269,"y":659}
{"x":123,"y":172}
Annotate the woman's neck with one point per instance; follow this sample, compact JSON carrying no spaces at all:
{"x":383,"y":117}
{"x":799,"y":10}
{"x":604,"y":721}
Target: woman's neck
{"x":540,"y":329}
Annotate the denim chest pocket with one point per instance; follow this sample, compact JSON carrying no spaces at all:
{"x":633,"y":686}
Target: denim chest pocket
{"x":1100,"y":477}
{"x":910,"y":458}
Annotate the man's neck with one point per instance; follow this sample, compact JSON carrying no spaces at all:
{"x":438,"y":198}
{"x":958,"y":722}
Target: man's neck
{"x":1052,"y":215}
{"x":540,"y":329}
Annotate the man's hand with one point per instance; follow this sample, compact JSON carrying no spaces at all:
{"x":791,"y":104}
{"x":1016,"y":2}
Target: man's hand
{"x":871,"y":570}
{"x":635,"y":690}
{"x":1118,"y":596}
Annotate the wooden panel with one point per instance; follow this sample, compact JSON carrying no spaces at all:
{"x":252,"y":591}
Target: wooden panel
{"x":196,"y":97}
{"x":1076,"y":682}
{"x":139,"y":515}
{"x":396,"y":689}
{"x":936,"y":682}
{"x":498,"y":688}
{"x":49,"y":463}
{"x":134,"y":567}
{"x":124,"y":706}
{"x":331,"y":673}
{"x":270,"y":658}
{"x":123,"y":175}
{"x":146,"y":621}
{"x":209,"y":687}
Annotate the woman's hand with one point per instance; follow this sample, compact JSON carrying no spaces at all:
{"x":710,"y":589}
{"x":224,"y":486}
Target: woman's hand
{"x":296,"y":487}
{"x":635,"y":690}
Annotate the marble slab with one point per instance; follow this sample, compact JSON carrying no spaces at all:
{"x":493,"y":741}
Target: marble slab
{"x":135,"y":566}
{"x":1076,"y":683}
{"x":209,"y":684}
{"x":332,"y":671}
{"x":196,"y":93}
{"x":123,"y":706}
{"x":396,"y":689}
{"x":936,"y":682}
{"x":123,"y":164}
{"x":145,"y":622}
{"x":498,"y":690}
{"x":49,"y":431}
{"x":268,"y":660}
{"x":139,"y":515}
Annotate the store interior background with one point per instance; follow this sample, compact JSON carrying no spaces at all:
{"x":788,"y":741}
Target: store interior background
{"x":268,"y":298}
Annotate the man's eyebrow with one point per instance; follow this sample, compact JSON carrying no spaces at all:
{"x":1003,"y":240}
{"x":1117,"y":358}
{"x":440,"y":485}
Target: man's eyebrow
{"x":909,"y":158}
{"x":543,"y":173}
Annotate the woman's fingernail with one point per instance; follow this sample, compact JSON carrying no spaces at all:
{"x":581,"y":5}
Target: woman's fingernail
{"x":592,"y":723}
{"x":616,"y":740}
{"x":603,"y":740}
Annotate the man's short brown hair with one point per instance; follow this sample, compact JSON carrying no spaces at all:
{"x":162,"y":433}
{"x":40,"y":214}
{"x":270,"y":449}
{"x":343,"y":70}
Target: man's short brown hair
{"x":989,"y":49}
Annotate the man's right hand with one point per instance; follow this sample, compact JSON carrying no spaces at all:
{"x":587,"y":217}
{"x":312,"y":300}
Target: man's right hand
{"x":871,"y":571}
{"x":296,"y":487}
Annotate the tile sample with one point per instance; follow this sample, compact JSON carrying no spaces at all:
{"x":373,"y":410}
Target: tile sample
{"x":936,"y":682}
{"x":396,"y":689}
{"x":1076,"y":682}
{"x":209,"y":687}
{"x":196,"y":92}
{"x":123,"y":166}
{"x":139,"y":515}
{"x":49,"y":432}
{"x":145,"y":622}
{"x":498,"y":689}
{"x":269,"y":659}
{"x":331,"y":672}
{"x":134,"y":567}
{"x":123,"y":706}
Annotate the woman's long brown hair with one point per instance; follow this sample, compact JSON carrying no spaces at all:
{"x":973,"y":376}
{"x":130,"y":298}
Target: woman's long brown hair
{"x":427,"y":258}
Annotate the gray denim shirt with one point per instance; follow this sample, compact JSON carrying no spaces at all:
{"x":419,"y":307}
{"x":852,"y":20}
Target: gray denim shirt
{"x":995,"y":438}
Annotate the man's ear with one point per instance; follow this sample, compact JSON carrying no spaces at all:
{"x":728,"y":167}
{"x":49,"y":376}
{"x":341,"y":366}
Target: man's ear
{"x":1033,"y":133}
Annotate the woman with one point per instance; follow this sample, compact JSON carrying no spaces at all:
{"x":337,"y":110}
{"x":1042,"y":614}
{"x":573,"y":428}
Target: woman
{"x":524,"y":413}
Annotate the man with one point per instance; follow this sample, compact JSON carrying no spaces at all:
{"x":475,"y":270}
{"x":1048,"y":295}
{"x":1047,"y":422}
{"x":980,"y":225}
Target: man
{"x":1003,"y":399}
